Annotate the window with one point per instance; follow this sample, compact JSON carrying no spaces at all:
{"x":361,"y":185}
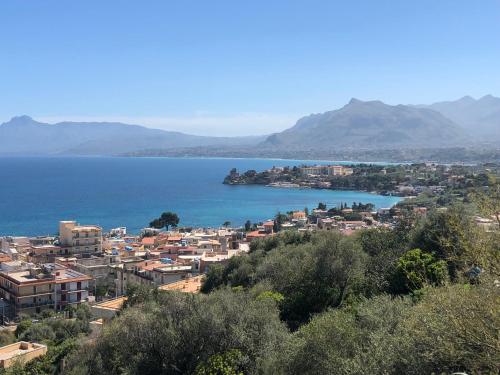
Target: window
{"x":34,"y":289}
{"x":79,"y":285}
{"x":78,"y":296}
{"x":63,"y":286}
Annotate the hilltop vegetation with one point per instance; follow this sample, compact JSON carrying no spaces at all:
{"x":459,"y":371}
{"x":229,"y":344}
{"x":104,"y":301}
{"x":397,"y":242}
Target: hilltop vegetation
{"x":419,"y":299}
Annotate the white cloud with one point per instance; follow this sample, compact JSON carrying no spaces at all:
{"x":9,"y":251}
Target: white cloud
{"x":201,"y":123}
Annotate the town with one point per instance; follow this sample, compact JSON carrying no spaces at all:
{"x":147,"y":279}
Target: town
{"x":405,"y":180}
{"x":85,"y":268}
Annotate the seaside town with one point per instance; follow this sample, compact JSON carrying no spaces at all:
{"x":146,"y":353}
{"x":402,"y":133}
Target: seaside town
{"x":85,"y":267}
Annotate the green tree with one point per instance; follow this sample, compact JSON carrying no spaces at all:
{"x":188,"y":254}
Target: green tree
{"x":221,"y":364}
{"x":450,"y":235}
{"x":415,"y":269}
{"x":488,"y":200}
{"x":454,"y":329}
{"x":166,"y":220}
{"x":177,"y":332}
{"x":362,"y":339}
{"x":315,"y":275}
{"x":248,"y":225}
{"x":214,"y":278}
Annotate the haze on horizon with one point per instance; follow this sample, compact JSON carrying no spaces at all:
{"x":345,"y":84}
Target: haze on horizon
{"x":233,"y":68}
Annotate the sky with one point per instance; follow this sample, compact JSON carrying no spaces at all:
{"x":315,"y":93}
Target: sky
{"x":239,"y":67}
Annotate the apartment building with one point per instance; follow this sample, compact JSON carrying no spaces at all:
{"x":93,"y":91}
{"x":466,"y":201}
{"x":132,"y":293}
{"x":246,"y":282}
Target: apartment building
{"x":48,"y":286}
{"x":150,"y":272}
{"x":77,"y":239}
{"x":326,"y":170}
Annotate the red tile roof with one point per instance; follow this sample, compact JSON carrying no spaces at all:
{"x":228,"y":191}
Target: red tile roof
{"x":148,"y":240}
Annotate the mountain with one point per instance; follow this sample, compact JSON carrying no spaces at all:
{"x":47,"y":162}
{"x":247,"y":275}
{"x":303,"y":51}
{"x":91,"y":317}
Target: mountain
{"x":480,"y":117}
{"x":24,"y":136}
{"x":369,"y":125}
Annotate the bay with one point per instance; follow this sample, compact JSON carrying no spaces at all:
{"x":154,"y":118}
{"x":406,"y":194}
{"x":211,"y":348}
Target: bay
{"x":37,"y":192}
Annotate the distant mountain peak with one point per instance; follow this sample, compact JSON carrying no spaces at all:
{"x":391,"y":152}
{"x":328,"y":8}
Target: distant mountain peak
{"x":22,"y":120}
{"x":488,"y":98}
{"x":467,"y":98}
{"x":369,"y":124}
{"x":355,"y":101}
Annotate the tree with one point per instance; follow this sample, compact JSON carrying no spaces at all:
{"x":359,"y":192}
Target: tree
{"x":488,"y":201}
{"x":279,"y":219}
{"x":226,"y":224}
{"x":214,"y":278}
{"x":330,"y":264}
{"x":221,"y":364}
{"x":321,"y":206}
{"x":177,"y":332}
{"x":450,"y":236}
{"x":357,"y":340}
{"x":166,"y":220}
{"x":248,"y":225}
{"x":454,"y":329}
{"x":415,"y":269}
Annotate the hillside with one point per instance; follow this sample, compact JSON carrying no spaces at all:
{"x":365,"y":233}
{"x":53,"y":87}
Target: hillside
{"x":23,"y":135}
{"x":371,"y":124}
{"x":480,"y":117}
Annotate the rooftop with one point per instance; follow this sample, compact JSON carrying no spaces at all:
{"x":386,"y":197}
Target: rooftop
{"x":114,"y":304}
{"x":21,"y":348}
{"x":190,"y":285}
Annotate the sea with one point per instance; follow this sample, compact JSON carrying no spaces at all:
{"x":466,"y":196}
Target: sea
{"x":38,"y":192}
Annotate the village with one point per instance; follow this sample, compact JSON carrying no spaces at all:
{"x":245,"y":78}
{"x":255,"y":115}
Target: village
{"x":86,"y":266}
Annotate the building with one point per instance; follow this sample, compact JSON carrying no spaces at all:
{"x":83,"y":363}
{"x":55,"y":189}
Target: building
{"x":49,"y":286}
{"x":108,"y":309}
{"x":21,"y":351}
{"x":98,"y":268}
{"x":326,"y":170}
{"x":79,"y":239}
{"x":44,"y":253}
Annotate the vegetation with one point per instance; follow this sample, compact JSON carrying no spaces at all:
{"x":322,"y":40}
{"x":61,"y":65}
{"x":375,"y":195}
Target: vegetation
{"x":420,"y":298}
{"x":62,"y":336}
{"x":166,"y":220}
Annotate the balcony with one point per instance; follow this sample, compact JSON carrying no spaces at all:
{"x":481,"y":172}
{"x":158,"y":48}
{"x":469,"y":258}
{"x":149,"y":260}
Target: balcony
{"x":32,"y":305}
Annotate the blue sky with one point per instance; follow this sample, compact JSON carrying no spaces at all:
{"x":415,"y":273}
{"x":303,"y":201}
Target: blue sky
{"x":239,"y":67}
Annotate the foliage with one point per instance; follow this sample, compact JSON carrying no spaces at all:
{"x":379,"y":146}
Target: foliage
{"x":452,"y":329}
{"x":275,"y":296}
{"x":6,"y":337}
{"x":455,"y":329}
{"x":23,"y":326}
{"x":140,"y":293}
{"x":248,"y":225}
{"x":415,"y":269}
{"x":357,"y":340}
{"x":221,"y":364}
{"x":166,"y":220}
{"x":176,"y":332}
{"x":452,"y":236}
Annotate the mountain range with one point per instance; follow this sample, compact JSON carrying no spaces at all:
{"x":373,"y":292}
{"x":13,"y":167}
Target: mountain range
{"x":370,"y":124}
{"x":481,"y":117}
{"x":24,"y":136}
{"x":357,"y":125}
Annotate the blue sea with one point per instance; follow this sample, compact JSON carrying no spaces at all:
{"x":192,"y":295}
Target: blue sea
{"x":37,"y":192}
